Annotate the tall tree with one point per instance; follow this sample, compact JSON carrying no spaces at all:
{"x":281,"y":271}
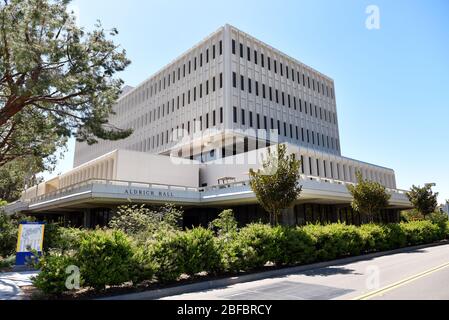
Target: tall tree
{"x":17,"y":175}
{"x":276,"y":185}
{"x":423,"y":199}
{"x":56,"y":79}
{"x":369,"y":197}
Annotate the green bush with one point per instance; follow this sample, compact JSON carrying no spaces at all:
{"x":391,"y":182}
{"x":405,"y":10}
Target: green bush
{"x":294,"y":246}
{"x":374,"y":237}
{"x":395,"y":236}
{"x":200,"y":252}
{"x":166,"y":250}
{"x":52,"y":276}
{"x":421,"y":232}
{"x":62,"y":239}
{"x":254,"y":246}
{"x":8,"y":235}
{"x":335,"y":240}
{"x":106,"y":258}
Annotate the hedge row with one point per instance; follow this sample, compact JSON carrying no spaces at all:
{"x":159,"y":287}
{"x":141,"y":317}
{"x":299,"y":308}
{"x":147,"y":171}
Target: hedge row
{"x":110,"y":258}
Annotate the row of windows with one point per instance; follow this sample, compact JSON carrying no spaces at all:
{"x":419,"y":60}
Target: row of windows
{"x":176,"y":75}
{"x":290,"y":73}
{"x":209,"y":120}
{"x":285,"y":99}
{"x":180,"y":100}
{"x":286,"y":130}
{"x":329,"y":169}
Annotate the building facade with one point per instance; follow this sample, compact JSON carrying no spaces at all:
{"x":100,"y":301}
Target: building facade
{"x":201,"y":123}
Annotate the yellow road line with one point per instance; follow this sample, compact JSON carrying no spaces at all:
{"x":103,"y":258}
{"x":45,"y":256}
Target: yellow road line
{"x":401,"y":283}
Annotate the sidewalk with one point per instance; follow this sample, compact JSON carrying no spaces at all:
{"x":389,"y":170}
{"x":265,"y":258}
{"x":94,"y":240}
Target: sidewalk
{"x":11,"y":282}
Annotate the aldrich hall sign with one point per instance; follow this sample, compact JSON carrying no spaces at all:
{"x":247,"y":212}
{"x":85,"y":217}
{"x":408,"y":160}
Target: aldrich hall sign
{"x":149,"y":193}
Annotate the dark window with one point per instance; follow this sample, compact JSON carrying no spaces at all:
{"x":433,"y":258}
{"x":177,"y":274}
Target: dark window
{"x":249,"y":86}
{"x":248,"y":53}
{"x":207,"y":120}
{"x":263,"y":91}
{"x":235,"y":114}
{"x":241,"y":50}
{"x":258,"y":121}
{"x":221,"y":80}
{"x":213,"y":52}
{"x":275,"y":66}
{"x":302,"y":134}
{"x":233,"y":46}
{"x":265,"y":126}
{"x":282,"y":71}
{"x":257,"y":88}
{"x":221,"y":115}
{"x":277,"y":96}
{"x":201,"y":90}
{"x":243,"y":117}
{"x":262,"y":60}
{"x":255,"y":56}
{"x":271,"y":94}
{"x":201,"y":59}
{"x":251,"y":119}
{"x":221,"y":47}
{"x":234,"y":80}
{"x":269,"y":63}
{"x":285,"y":129}
{"x":242,"y":83}
{"x":279,"y":127}
{"x":213,"y":84}
{"x":291,"y":132}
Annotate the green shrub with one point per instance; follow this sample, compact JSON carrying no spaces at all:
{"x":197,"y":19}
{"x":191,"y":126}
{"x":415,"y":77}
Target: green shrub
{"x":8,"y":235}
{"x":374,"y":237}
{"x":421,"y":232}
{"x":395,"y":236}
{"x":166,"y":250}
{"x":254,"y":246}
{"x":7,"y":262}
{"x":200,"y":251}
{"x":144,"y":266}
{"x":52,"y":276}
{"x":335,"y":240}
{"x":106,"y":258}
{"x":294,"y":246}
{"x":441,"y":220}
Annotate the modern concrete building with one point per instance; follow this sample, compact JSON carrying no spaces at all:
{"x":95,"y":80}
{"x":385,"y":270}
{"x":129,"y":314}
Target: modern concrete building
{"x":200,"y":124}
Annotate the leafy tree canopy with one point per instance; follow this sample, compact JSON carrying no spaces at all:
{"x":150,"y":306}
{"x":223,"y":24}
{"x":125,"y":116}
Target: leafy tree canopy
{"x":277,"y":185}
{"x":423,"y":199}
{"x":369,"y":197}
{"x":57,"y":80}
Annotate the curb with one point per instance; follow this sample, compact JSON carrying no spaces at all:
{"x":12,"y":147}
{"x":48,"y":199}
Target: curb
{"x":220,"y":283}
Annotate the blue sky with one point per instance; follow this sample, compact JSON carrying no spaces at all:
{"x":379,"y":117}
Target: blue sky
{"x":392,"y":84}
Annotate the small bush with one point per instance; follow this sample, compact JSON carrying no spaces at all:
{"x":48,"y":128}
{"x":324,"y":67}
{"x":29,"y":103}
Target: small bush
{"x":335,"y":240}
{"x":62,"y":239}
{"x":254,"y":246}
{"x":166,"y":250}
{"x":374,"y":237}
{"x":200,"y":251}
{"x":52,"y":276}
{"x":106,"y":258}
{"x":395,"y":236}
{"x":294,"y":246}
{"x":8,"y":235}
{"x":421,"y":232}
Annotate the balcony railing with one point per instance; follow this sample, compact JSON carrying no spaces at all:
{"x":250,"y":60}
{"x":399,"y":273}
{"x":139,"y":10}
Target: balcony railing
{"x":130,"y":184}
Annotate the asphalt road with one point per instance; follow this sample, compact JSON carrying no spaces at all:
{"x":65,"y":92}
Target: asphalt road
{"x":417,"y":274}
